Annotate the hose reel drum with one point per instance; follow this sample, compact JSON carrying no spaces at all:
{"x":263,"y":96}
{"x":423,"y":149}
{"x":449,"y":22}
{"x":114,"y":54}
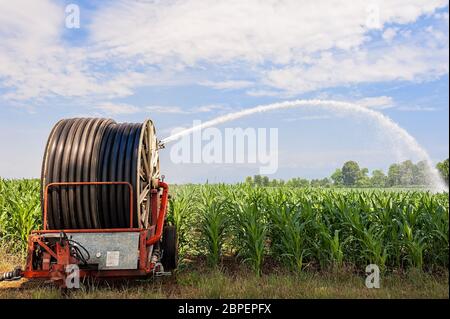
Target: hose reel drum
{"x":97,"y":149}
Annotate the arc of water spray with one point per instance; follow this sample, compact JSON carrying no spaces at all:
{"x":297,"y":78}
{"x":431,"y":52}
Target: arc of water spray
{"x":384,"y":121}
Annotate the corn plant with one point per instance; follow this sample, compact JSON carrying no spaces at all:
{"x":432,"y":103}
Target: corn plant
{"x":329,"y":247}
{"x":182,"y":215}
{"x":213,"y":220}
{"x":415,"y":244}
{"x":289,"y":238}
{"x":251,"y":230}
{"x":20,"y":211}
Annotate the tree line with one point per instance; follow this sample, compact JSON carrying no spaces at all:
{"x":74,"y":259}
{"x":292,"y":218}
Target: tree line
{"x":404,"y":174}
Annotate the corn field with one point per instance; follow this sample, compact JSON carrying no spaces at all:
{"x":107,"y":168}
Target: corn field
{"x":20,"y":212}
{"x":319,"y":228}
{"x":297,"y":228}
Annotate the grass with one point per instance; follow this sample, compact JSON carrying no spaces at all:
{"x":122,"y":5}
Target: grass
{"x":9,"y":260}
{"x":218,"y":283}
{"x":232,"y":280}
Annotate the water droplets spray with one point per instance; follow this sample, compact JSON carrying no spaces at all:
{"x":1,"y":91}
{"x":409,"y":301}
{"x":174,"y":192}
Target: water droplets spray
{"x":397,"y":135}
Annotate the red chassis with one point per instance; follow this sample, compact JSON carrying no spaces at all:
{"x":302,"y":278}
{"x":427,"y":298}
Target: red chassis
{"x":47,"y":262}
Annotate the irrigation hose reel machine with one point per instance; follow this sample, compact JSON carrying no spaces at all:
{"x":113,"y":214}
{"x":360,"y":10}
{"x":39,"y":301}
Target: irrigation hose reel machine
{"x":104,"y":204}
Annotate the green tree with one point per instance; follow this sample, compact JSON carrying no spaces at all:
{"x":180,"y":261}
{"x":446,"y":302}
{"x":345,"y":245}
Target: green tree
{"x":378,"y":178}
{"x":420,"y":173}
{"x":350,"y":173}
{"x":297,"y":182}
{"x":393,"y":178}
{"x":363,"y":178}
{"x":337,"y":177}
{"x":443,"y":170}
{"x":249,"y":180}
{"x":274,"y":182}
{"x":265,"y":181}
{"x":325,"y":182}
{"x":303,"y":182}
{"x":406,"y":173}
{"x":291,"y":182}
{"x":257,"y":180}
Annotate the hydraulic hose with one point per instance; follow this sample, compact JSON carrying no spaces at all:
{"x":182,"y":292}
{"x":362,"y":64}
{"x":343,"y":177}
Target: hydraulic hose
{"x":15,"y":274}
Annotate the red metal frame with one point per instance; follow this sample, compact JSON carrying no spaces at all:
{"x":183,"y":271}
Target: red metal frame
{"x":147,"y":238}
{"x":161,"y":216}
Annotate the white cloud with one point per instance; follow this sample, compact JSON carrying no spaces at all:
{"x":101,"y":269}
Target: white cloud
{"x":165,"y":109}
{"x":254,"y":31}
{"x":224,"y":85}
{"x":377,"y":102}
{"x":308,"y":46}
{"x":409,"y":62}
{"x":441,"y":15}
{"x":262,"y":92}
{"x":123,"y":108}
{"x":116,"y":109}
{"x":184,"y":110}
{"x":389,"y":34}
{"x":209,"y":108}
{"x":417,"y":108}
{"x":283,"y":47}
{"x":36,"y":63}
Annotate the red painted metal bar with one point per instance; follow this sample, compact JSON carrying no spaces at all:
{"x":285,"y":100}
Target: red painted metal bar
{"x":89,"y":230}
{"x":162,"y":214}
{"x":43,"y":245}
{"x":92,"y":273}
{"x":130,"y":187}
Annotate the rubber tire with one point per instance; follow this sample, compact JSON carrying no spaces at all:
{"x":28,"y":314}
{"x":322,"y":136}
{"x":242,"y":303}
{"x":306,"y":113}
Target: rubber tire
{"x":170,"y":248}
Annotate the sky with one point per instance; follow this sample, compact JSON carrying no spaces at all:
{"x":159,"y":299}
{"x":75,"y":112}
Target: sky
{"x":178,"y":61}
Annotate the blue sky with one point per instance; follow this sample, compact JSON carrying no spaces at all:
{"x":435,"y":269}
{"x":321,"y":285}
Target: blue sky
{"x":179,"y":61}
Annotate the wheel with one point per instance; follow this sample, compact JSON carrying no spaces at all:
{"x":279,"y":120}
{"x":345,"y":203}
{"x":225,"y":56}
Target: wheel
{"x":148,"y":172}
{"x":170,"y":248}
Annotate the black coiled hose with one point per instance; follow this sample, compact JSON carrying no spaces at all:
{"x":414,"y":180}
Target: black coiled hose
{"x":15,"y":274}
{"x":92,"y":149}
